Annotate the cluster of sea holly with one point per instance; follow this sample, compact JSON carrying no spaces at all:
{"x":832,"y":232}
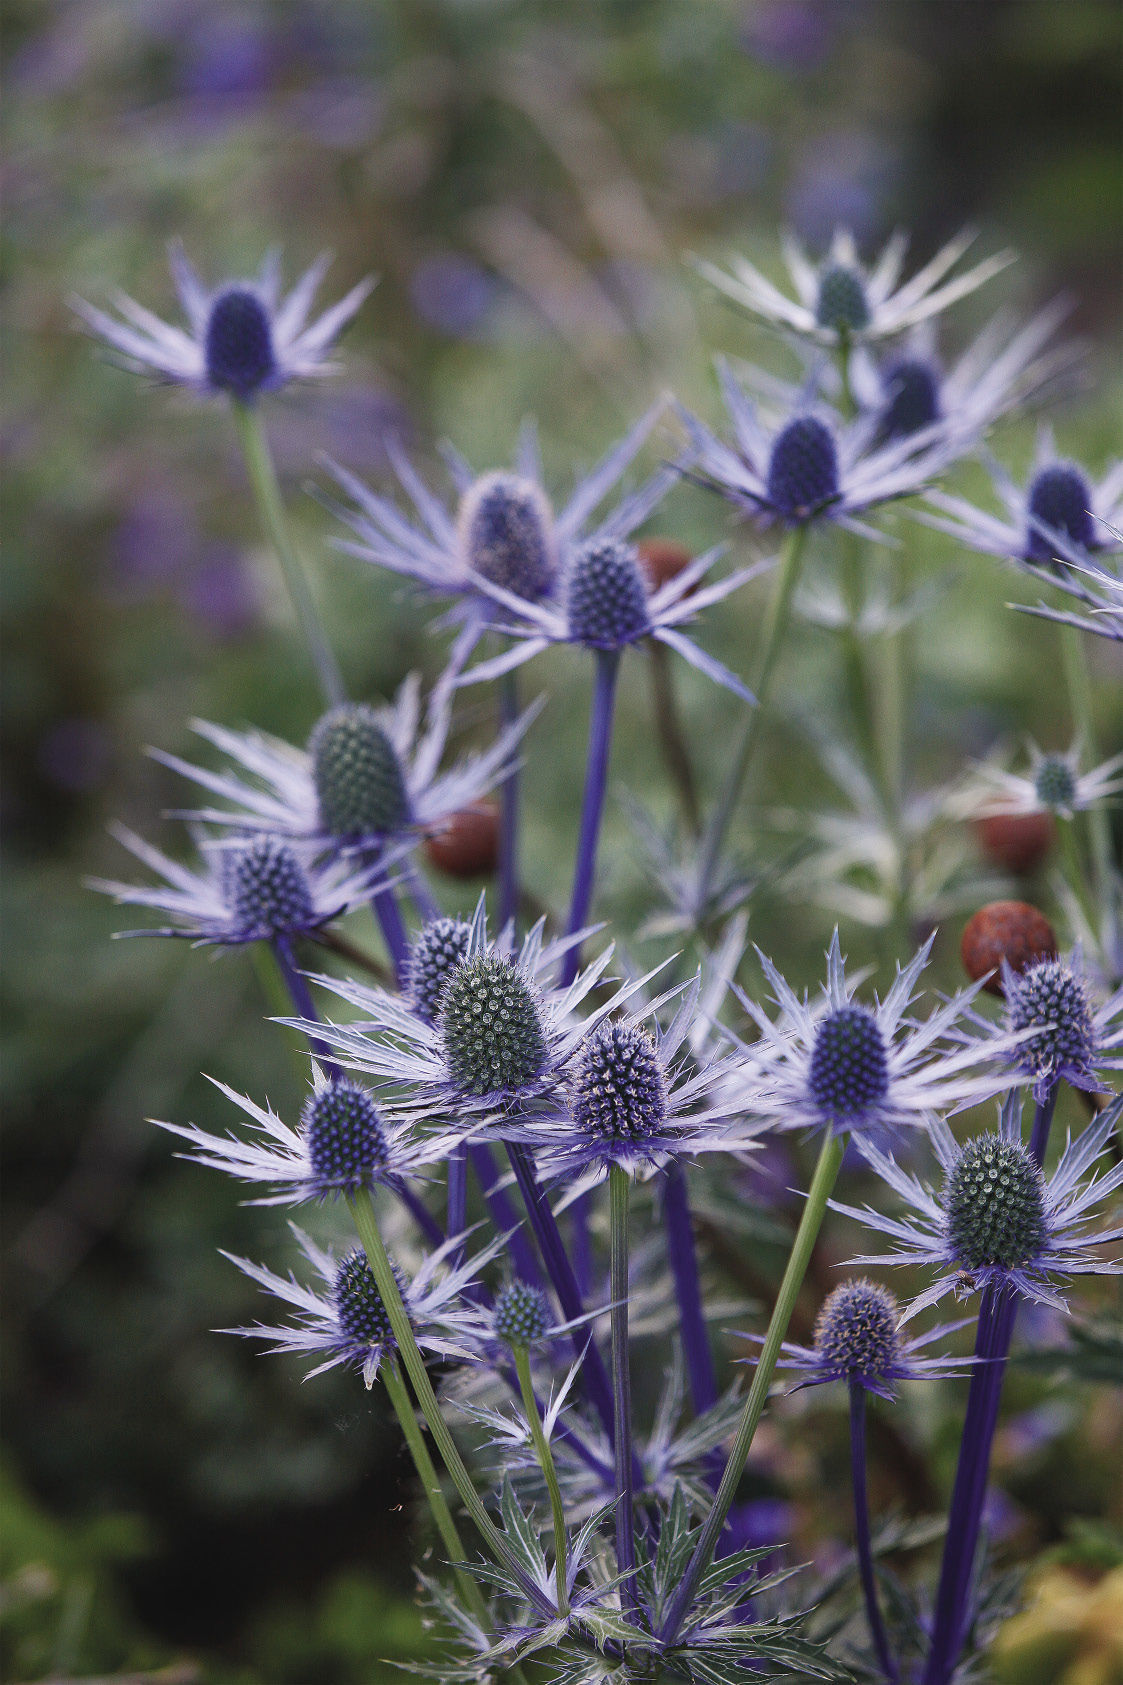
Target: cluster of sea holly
{"x":512,"y":1113}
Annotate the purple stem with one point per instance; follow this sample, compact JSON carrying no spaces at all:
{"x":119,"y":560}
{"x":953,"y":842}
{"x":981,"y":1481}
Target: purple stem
{"x":424,"y":1218}
{"x":503,"y":1214}
{"x":592,"y":805}
{"x":560,"y":1271}
{"x":619,"y":1189}
{"x":420,"y":894}
{"x":508,"y":810}
{"x":384,"y":904}
{"x":302,"y":999}
{"x":457,"y":1219}
{"x":862,"y":1530}
{"x":997,"y":1314}
{"x":684,"y":1267}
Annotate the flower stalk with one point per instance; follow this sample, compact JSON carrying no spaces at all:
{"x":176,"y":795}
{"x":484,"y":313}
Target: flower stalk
{"x":619,"y":1187}
{"x":592,"y":805}
{"x":508,"y":810}
{"x":862,"y":1531}
{"x":549,"y":1472}
{"x":683,"y":1259}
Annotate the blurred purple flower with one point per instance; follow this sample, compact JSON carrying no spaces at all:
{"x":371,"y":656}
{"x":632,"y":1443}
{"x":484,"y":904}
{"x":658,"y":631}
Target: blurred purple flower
{"x":219,"y":591}
{"x":451,"y":293}
{"x":792,"y":35}
{"x":153,"y":544}
{"x":841,"y":182}
{"x":229,"y":53}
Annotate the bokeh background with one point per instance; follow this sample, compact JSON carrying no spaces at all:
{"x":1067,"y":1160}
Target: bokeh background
{"x":527,"y":180}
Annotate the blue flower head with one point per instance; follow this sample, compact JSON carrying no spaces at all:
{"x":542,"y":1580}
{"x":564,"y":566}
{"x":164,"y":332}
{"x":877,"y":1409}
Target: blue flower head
{"x":506,"y":531}
{"x":521,"y":1316}
{"x":441,"y":946}
{"x":243,"y":339}
{"x":1063,"y":1034}
{"x":360,"y":788}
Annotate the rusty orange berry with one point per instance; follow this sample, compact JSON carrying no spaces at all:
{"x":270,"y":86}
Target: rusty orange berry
{"x":662,"y":559}
{"x":1018,"y":842}
{"x":1005,"y":930}
{"x":467,"y":844}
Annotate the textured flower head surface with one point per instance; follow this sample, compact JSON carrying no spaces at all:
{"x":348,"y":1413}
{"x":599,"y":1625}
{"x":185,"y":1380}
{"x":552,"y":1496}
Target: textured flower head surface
{"x":996,"y":1220}
{"x":1053,"y":784}
{"x":503,"y":532}
{"x":502,"y":1037}
{"x":1055,"y":526}
{"x":345,"y":1142}
{"x":242,"y":338}
{"x":245,"y":889}
{"x":604,"y":603}
{"x":859,"y":1339}
{"x":342,"y":1319}
{"x":1062,"y":1035}
{"x":640,"y":1095}
{"x":809,"y":465}
{"x":868,"y":1070}
{"x":842,"y":301}
{"x":369,"y":776}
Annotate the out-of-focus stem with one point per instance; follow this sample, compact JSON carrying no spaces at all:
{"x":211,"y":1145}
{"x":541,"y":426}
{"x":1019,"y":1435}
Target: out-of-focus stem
{"x":684,"y":1268}
{"x":267,"y":495}
{"x":1079,"y":682}
{"x":862,"y":1531}
{"x":672,"y":742}
{"x":508,"y":809}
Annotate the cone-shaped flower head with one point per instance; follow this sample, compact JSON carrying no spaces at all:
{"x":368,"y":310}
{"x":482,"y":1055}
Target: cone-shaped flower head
{"x":439,"y":949}
{"x":1051,"y":1000}
{"x":267,"y":888}
{"x":994,"y":1197}
{"x":1060,"y":500}
{"x":239,"y":343}
{"x":358,"y":1305}
{"x":607,"y":596}
{"x":803,"y":468}
{"x":522,"y":1315}
{"x":856,"y":1330}
{"x":343,"y":1133}
{"x":849,"y":1071}
{"x":359,"y":783}
{"x":911,"y":401}
{"x":618,"y":1088}
{"x":1054,"y":783}
{"x":506,"y":534}
{"x":490,"y":1026}
{"x":841,"y":303}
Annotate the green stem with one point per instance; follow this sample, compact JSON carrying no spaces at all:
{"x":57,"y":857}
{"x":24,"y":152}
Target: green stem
{"x":826,"y":1172}
{"x":775,"y":629}
{"x":546,"y":1459}
{"x":267,"y":494}
{"x":366,"y":1224}
{"x":442,"y":1515}
{"x":1074,"y":870}
{"x":1079,"y":684}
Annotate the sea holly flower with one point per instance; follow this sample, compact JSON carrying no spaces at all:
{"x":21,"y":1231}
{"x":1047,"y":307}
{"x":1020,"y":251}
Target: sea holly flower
{"x":344,"y":1321}
{"x":638,"y":1095}
{"x":503,"y":1036}
{"x":1059,"y":521}
{"x":867,"y":1070}
{"x":1055,"y":784}
{"x":859,"y":1339}
{"x":503,"y":532}
{"x":810,"y":465}
{"x":369,"y":778}
{"x":997,"y":1220}
{"x":1095,"y":586}
{"x":244,"y":889}
{"x":606,"y":606}
{"x":344,"y":1143}
{"x":242,"y":339}
{"x":1061,"y":1034}
{"x":841,"y":301}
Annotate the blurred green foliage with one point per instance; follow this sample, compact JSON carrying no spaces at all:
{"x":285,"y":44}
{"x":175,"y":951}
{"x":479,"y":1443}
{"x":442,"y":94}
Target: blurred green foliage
{"x":526,"y":179}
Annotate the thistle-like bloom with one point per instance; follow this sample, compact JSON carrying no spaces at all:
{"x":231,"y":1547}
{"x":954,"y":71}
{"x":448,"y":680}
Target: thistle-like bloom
{"x":1055,"y":784}
{"x":1062,"y":1034}
{"x":638,"y":1095}
{"x":245,"y":889}
{"x":997,"y":1221}
{"x":368,"y":779}
{"x":868,"y":1070}
{"x":1059,"y":521}
{"x":503,"y":531}
{"x":606,"y":606}
{"x":811,"y":466}
{"x":344,"y":1321}
{"x":345,"y":1143}
{"x":859,"y":1338}
{"x":242,"y":338}
{"x":840,"y":301}
{"x":503,"y":1034}
{"x":1096,"y":586}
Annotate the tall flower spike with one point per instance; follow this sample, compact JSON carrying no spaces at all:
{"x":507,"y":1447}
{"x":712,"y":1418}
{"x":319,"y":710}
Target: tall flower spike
{"x":344,"y":1143}
{"x":502,"y":532}
{"x":368,"y":777}
{"x":243,"y":339}
{"x":842,"y":301}
{"x":245,"y":889}
{"x":606,"y":606}
{"x":995,"y":1220}
{"x":859,"y":1338}
{"x":343,"y":1321}
{"x":808,"y":465}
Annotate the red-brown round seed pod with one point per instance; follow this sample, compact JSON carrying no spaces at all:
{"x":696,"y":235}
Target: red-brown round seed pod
{"x":467,"y":845}
{"x":1005,"y":930}
{"x":1018,"y":842}
{"x":663,"y":559}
